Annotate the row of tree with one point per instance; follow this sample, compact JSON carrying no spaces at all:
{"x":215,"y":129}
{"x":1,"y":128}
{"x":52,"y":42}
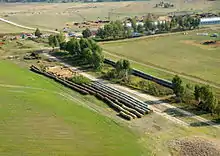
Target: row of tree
{"x":203,"y":95}
{"x":117,"y":29}
{"x":87,"y":49}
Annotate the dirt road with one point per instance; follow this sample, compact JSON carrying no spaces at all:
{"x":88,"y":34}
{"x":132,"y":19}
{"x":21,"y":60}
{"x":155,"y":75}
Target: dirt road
{"x":25,"y":27}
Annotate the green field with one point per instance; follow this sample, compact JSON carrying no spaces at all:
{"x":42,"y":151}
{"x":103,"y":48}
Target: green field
{"x":37,"y":120}
{"x":177,"y":53}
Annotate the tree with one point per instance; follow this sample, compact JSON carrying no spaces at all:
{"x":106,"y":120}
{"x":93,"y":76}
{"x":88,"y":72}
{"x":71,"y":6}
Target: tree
{"x":86,"y":33}
{"x":178,"y":89}
{"x":87,"y":55}
{"x":98,"y":60}
{"x":140,"y":28}
{"x":197,"y":93}
{"x":126,"y":65}
{"x":134,"y":24}
{"x":37,"y":33}
{"x":76,"y":47}
{"x":73,"y":47}
{"x":147,"y":25}
{"x":51,"y":41}
{"x":122,"y":68}
{"x":61,"y":38}
{"x":173,"y":23}
{"x":108,"y":29}
{"x":100,"y":33}
{"x":63,"y":46}
{"x":84,"y":43}
{"x":206,"y":98}
{"x":167,"y":26}
{"x":56,"y":42}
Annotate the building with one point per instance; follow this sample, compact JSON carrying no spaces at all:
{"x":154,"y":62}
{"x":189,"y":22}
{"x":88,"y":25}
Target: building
{"x":210,"y":21}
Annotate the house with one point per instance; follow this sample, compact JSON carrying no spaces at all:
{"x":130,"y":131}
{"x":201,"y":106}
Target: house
{"x":210,"y":21}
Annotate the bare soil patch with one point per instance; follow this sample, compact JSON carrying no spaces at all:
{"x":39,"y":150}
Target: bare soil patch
{"x":201,"y":45}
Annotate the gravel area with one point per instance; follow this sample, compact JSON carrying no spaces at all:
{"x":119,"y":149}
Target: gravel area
{"x":195,"y":146}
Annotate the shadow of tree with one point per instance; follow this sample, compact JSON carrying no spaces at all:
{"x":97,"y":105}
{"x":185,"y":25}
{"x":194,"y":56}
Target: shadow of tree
{"x":208,"y":123}
{"x":156,"y":102}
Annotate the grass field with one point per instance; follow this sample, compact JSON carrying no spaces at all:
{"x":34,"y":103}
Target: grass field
{"x":37,"y":120}
{"x":179,"y":53}
{"x":52,"y":16}
{"x":7,"y":28}
{"x":39,"y":117}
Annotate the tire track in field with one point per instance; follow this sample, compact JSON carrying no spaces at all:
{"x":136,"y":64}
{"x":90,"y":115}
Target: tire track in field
{"x":81,"y":102}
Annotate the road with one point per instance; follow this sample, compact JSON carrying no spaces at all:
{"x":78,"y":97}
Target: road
{"x":154,"y":100}
{"x":26,"y":27}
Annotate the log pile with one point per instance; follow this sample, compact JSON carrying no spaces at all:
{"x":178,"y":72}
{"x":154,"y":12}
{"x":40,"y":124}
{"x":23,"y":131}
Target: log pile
{"x":128,"y":107}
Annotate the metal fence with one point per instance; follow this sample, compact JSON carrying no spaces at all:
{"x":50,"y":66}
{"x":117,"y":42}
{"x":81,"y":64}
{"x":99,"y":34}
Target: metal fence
{"x":143,"y":75}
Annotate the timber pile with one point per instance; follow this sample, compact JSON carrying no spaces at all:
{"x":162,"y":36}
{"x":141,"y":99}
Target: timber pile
{"x":60,"y":71}
{"x":128,"y":107}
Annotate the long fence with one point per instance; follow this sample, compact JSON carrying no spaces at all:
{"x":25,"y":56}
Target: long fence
{"x":143,"y":75}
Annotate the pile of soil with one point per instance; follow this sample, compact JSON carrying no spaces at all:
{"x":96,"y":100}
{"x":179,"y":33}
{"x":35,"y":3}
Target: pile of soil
{"x":196,"y":146}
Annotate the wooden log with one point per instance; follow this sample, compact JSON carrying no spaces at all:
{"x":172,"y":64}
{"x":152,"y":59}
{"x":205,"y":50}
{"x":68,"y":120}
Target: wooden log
{"x":125,"y":116}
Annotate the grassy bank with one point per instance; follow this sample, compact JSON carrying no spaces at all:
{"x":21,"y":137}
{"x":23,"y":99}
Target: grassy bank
{"x":38,"y":120}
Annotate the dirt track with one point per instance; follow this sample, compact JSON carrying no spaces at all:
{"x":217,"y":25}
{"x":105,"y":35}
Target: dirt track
{"x":25,"y":27}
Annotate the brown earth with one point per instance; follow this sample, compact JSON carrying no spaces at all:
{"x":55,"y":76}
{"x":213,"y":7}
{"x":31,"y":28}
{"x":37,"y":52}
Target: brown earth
{"x":200,"y":45}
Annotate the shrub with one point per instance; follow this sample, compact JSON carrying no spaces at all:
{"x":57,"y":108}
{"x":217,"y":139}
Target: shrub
{"x":80,"y":80}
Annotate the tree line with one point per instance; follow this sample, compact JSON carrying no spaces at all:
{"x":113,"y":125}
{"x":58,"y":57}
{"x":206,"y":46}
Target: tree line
{"x":114,"y":30}
{"x":201,"y":96}
{"x":118,"y":29}
{"x":86,"y":49}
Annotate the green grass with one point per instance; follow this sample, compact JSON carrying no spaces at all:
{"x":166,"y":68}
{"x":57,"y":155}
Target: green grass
{"x":173,"y":53}
{"x":41,"y":122}
{"x":20,"y":47}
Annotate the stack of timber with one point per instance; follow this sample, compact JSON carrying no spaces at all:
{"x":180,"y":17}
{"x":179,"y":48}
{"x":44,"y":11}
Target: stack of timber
{"x":128,"y":107}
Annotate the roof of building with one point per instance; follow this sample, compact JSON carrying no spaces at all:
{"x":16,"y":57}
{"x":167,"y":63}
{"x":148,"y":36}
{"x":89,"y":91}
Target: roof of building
{"x":210,"y":19}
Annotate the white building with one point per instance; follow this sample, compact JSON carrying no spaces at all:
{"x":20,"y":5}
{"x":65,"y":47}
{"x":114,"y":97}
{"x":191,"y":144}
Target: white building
{"x":142,"y":23}
{"x":210,"y":21}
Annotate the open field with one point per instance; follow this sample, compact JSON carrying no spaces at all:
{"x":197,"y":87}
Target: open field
{"x":52,"y":16}
{"x":178,"y":53}
{"x":37,"y":120}
{"x":7,"y":28}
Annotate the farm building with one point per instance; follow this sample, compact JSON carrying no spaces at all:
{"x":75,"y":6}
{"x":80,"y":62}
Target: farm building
{"x":210,"y":21}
